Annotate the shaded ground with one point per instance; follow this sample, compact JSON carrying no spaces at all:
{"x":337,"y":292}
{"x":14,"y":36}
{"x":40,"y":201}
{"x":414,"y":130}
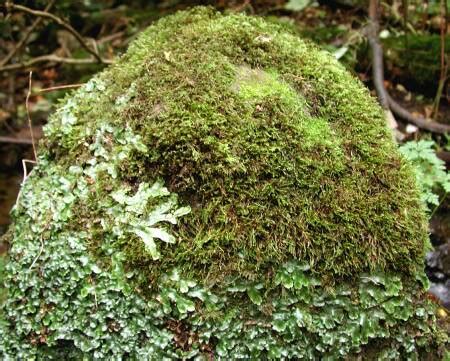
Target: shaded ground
{"x":9,"y":187}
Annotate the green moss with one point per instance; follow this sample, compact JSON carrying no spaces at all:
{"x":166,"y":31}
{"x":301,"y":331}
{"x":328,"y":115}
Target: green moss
{"x":271,"y":142}
{"x":278,"y":150}
{"x":224,"y":148}
{"x":256,"y":85}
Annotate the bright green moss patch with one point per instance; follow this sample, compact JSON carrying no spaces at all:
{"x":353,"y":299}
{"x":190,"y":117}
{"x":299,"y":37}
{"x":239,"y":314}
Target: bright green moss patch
{"x":279,"y":152}
{"x":256,"y":84}
{"x":225,"y":190}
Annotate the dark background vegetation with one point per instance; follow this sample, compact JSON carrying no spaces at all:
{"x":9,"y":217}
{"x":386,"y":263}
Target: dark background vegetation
{"x":414,"y":36}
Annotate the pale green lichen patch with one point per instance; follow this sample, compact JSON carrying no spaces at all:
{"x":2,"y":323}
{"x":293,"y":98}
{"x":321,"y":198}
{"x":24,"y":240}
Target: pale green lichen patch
{"x":259,"y":87}
{"x":77,"y":310}
{"x":257,"y":84}
{"x":224,"y":183}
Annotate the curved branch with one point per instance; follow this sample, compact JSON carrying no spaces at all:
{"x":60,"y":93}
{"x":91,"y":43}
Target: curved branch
{"x":386,"y":100}
{"x":14,"y":140}
{"x":50,"y":58}
{"x":418,"y":121}
{"x":62,"y":23}
{"x":25,"y":37}
{"x":377,"y":54}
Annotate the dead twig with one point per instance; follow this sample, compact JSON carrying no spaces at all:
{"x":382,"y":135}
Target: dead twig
{"x":418,"y":121}
{"x":11,"y":93}
{"x":28,"y":115}
{"x":444,"y":65}
{"x":50,"y":58}
{"x":111,"y":37}
{"x":41,"y":249}
{"x":60,"y":87}
{"x":378,"y":67}
{"x":378,"y":74}
{"x":25,"y":171}
{"x":28,"y":141}
{"x":257,"y":323}
{"x":26,"y":35}
{"x":443,"y":155}
{"x":25,"y":176}
{"x":13,"y":140}
{"x":59,"y":21}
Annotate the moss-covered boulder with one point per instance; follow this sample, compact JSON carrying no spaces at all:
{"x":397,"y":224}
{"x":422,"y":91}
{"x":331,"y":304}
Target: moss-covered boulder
{"x":226,"y":191}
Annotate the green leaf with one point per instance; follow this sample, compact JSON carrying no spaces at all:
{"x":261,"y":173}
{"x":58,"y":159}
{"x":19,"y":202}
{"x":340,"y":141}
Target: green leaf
{"x":86,"y":290}
{"x":160,"y":234}
{"x":393,"y":286}
{"x":158,"y":190}
{"x":300,"y":280}
{"x":279,"y":325}
{"x":120,"y":196}
{"x":149,"y":243}
{"x":287,"y":281}
{"x":275,"y":352}
{"x":182,"y":211}
{"x":254,"y":295}
{"x":302,"y":317}
{"x":423,"y":279}
{"x":96,"y":269}
{"x":284,"y":278}
{"x":184,"y":305}
{"x":184,"y":286}
{"x":237,"y":287}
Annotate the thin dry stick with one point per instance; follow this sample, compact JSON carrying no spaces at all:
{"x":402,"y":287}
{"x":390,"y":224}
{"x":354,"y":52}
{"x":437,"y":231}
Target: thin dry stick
{"x":41,"y":249}
{"x":378,"y":68}
{"x":378,"y":74}
{"x":59,"y":87}
{"x":59,"y":21}
{"x":25,"y":176}
{"x":419,"y":121}
{"x":13,"y":140}
{"x":49,"y":58}
{"x":25,"y":36}
{"x":110,"y":37}
{"x":25,"y":171}
{"x":27,"y":106}
{"x":445,"y":156}
{"x":11,"y":93}
{"x":444,"y":66}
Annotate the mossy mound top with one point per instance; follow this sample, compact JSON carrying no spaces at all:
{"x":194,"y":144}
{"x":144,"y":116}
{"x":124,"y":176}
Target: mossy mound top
{"x":280,"y":153}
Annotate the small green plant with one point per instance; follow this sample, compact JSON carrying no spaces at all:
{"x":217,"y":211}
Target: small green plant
{"x":431,"y":174}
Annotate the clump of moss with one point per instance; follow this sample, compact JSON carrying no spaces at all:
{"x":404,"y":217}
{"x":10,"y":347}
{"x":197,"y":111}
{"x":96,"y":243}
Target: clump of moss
{"x":277,"y":149}
{"x":224,"y":189}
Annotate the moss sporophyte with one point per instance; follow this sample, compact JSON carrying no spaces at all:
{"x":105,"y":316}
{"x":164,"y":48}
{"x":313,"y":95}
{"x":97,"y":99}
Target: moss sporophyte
{"x":226,"y":190}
